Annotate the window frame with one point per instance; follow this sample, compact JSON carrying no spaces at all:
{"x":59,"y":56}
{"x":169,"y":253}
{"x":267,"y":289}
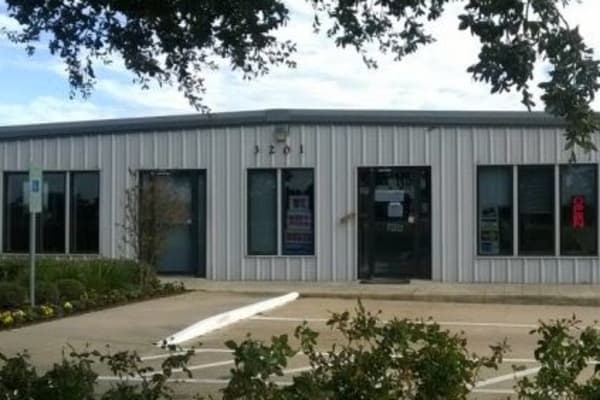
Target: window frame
{"x":557,"y":224}
{"x":67,"y":208}
{"x":279,"y":213}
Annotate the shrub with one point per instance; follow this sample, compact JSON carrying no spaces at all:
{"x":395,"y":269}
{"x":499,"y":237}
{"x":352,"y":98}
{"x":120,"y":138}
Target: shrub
{"x":398,"y":359}
{"x":74,"y":378}
{"x":563,"y":351}
{"x":70,"y":289}
{"x":99,"y":274}
{"x":104,"y":275}
{"x":12,"y":295}
{"x":11,"y":269}
{"x":46,"y":293}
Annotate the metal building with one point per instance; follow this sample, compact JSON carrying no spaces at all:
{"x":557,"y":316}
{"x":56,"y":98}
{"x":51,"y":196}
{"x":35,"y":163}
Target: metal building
{"x":321,"y":194}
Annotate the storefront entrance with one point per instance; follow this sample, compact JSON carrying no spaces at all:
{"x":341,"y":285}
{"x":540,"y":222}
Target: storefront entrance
{"x":394,"y":223}
{"x":184,"y":248}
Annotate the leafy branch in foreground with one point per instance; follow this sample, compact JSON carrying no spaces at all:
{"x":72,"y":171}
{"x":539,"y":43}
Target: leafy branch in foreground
{"x":171,"y":42}
{"x":397,"y":359}
{"x":568,"y":355}
{"x":75,"y":377}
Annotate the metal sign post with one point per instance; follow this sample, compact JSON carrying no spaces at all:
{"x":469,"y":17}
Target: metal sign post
{"x":34,"y":188}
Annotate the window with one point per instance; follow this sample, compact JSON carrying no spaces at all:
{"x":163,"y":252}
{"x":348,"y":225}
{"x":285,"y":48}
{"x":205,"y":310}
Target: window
{"x":495,"y":210}
{"x":297,"y":211}
{"x":51,"y":222}
{"x":16,"y":214}
{"x":578,"y":205}
{"x":293,"y":234}
{"x":536,"y":210}
{"x":85,"y":212}
{"x":262,"y":211}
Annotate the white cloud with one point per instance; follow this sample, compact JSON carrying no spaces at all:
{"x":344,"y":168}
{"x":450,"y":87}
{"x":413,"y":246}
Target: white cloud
{"x":51,"y":109}
{"x":9,"y":23}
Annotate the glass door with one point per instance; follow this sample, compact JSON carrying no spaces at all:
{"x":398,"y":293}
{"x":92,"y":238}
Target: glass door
{"x":184,"y":247}
{"x":394,"y":223}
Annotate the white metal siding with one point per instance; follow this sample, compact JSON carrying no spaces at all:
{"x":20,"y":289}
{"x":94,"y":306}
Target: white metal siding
{"x":335,"y":152}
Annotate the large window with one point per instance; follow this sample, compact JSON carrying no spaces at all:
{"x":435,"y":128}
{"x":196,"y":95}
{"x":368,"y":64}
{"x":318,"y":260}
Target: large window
{"x":286,"y":192}
{"x":578,"y":210}
{"x":536,"y":210}
{"x":85,"y":212}
{"x":541,"y":232}
{"x":495,"y":211}
{"x":51,"y":222}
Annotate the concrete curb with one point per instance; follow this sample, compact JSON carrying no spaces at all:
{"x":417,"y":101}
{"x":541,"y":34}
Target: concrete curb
{"x":493,"y":298}
{"x":218,"y":321}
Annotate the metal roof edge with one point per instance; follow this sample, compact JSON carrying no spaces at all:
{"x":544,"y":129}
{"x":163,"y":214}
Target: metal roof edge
{"x":284,"y":116}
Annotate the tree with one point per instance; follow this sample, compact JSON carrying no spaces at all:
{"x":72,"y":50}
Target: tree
{"x":173,"y":42}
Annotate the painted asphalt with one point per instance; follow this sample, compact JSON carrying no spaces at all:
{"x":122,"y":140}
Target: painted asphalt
{"x":138,"y":326}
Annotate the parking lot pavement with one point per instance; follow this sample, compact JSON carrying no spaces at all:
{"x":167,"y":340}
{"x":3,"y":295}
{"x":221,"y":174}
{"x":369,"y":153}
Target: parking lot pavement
{"x":483,"y":326}
{"x":137,"y":326}
{"x":134,"y":326}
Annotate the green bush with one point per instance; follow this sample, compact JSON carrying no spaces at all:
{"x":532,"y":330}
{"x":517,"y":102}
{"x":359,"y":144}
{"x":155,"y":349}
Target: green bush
{"x":70,"y":289}
{"x":397,"y":359}
{"x":11,"y":269}
{"x":104,"y":275}
{"x":46,"y":293}
{"x":12,"y":295}
{"x":99,"y":274}
{"x":563,"y":351}
{"x":74,"y":379}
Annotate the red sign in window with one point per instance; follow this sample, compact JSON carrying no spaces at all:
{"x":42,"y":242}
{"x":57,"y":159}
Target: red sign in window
{"x":577,"y":212}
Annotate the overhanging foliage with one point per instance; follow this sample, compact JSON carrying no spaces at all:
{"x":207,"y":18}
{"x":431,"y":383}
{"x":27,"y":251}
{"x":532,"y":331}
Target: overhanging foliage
{"x":174,"y":42}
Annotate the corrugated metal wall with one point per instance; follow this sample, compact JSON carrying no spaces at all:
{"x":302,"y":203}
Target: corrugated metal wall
{"x":335,"y":152}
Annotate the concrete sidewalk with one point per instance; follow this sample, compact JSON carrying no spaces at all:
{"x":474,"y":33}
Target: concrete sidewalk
{"x":582,"y":295}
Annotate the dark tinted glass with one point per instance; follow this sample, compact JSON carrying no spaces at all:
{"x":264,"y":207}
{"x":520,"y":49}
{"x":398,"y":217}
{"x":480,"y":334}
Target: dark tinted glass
{"x":495,"y":214}
{"x":51,"y":234}
{"x":85,"y":212}
{"x":297,"y":211}
{"x":16,"y":213}
{"x":262,"y":211}
{"x":578,"y":209}
{"x":536,"y":210}
{"x":50,"y":226}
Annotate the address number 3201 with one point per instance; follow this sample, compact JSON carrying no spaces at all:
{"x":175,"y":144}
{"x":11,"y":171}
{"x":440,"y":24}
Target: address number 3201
{"x":272,"y":149}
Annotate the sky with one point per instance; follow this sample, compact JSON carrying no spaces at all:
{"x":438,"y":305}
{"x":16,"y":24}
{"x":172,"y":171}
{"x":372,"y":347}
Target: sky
{"x":35,"y":89}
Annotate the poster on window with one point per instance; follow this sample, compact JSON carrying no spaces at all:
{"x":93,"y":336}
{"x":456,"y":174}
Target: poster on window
{"x":489,"y":231}
{"x":577,"y":212}
{"x":298,"y":236}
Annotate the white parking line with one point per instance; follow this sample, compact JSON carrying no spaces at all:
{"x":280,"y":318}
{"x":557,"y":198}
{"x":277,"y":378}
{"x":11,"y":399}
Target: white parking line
{"x":296,"y":370}
{"x":447,"y":323}
{"x":184,"y":351}
{"x":208,"y":381}
{"x":193,"y":367}
{"x":493,"y":391}
{"x":507,"y":377}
